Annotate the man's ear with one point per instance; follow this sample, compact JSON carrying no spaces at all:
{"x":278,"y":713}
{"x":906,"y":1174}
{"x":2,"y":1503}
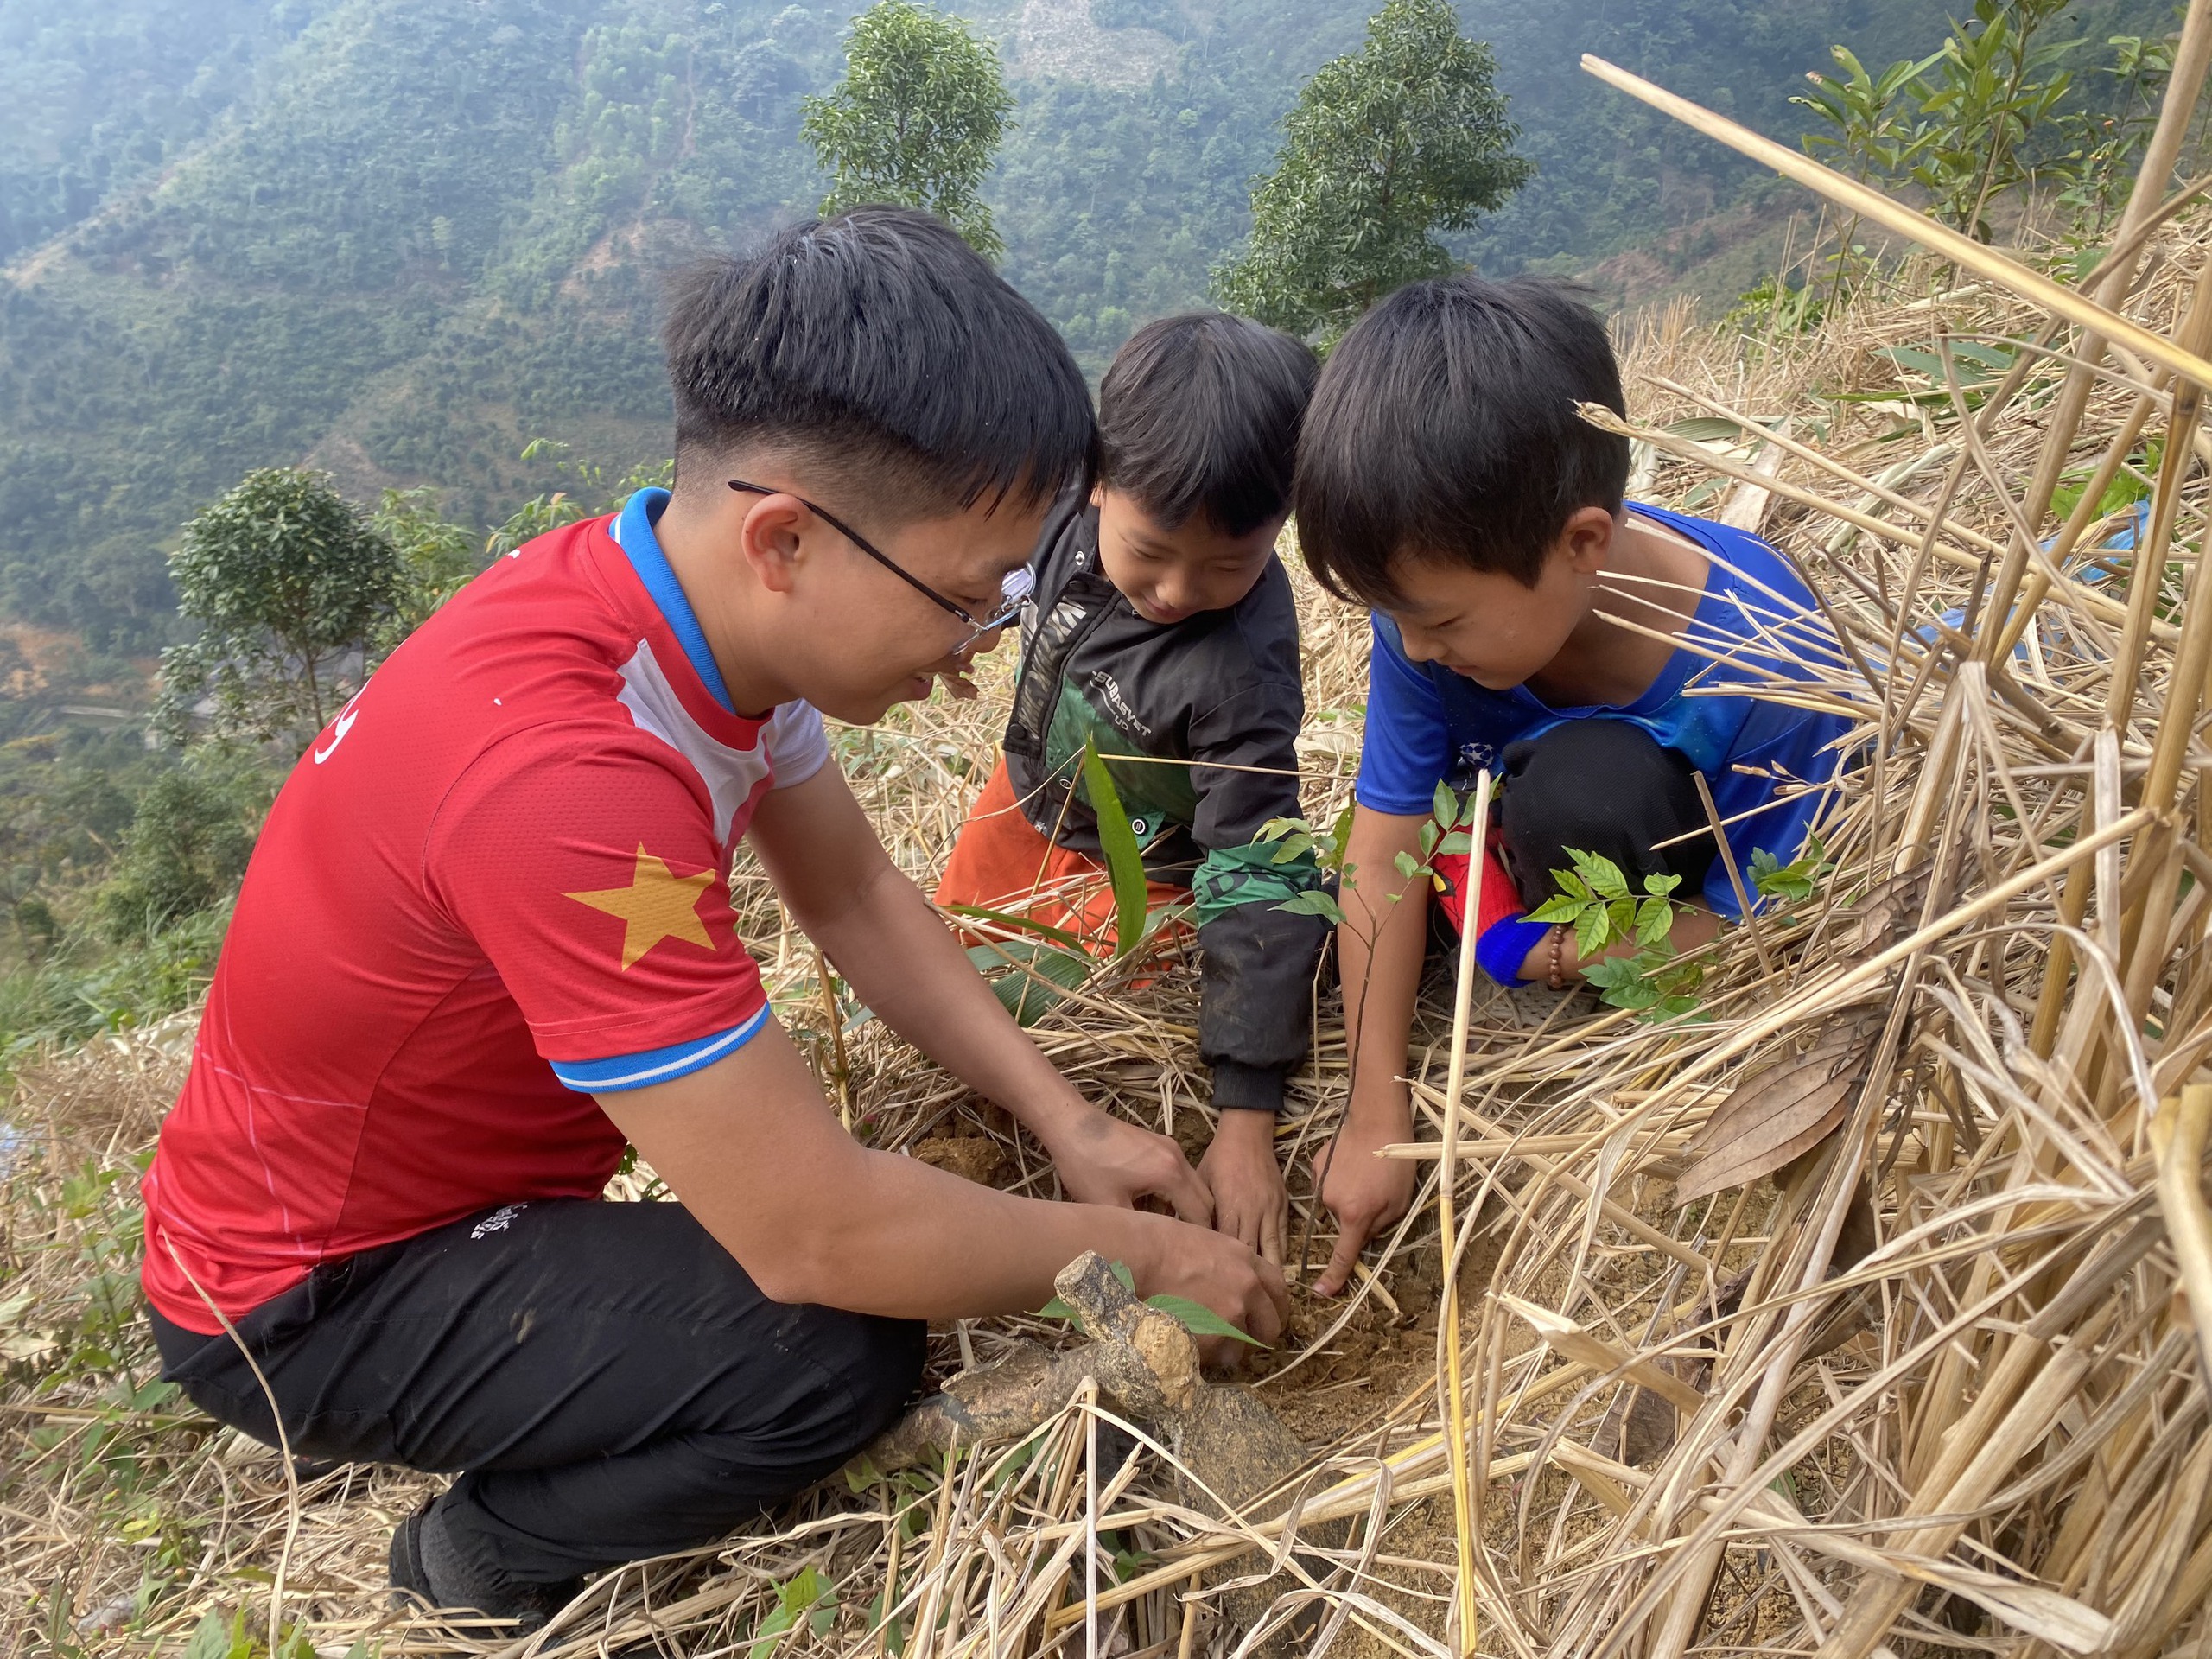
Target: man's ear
{"x":1587,"y":539}
{"x":769,"y":542}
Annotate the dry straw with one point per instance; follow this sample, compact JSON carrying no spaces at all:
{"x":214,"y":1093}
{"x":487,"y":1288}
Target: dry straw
{"x":1933,"y":1382}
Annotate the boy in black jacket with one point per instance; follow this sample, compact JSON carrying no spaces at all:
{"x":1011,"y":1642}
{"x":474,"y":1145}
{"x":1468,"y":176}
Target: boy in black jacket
{"x":1162,"y":629}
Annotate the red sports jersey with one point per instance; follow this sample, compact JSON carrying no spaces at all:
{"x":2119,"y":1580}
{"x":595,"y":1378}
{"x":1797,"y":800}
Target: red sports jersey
{"x":497,"y":880}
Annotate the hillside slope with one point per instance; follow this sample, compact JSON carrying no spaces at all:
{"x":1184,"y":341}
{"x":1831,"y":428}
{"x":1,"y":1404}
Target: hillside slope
{"x":399,"y":238}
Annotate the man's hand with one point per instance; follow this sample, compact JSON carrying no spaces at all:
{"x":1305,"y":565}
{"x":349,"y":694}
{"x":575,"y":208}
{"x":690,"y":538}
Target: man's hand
{"x":1364,"y":1192}
{"x":1249,"y":1201}
{"x":896,"y":952}
{"x":1103,"y":1161}
{"x":1223,"y":1274}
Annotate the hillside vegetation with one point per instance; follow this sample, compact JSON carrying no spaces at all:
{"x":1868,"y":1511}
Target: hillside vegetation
{"x":400,"y":240}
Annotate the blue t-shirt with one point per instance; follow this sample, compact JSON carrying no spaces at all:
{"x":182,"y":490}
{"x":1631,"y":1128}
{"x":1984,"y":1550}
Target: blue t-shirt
{"x":1427,"y":725}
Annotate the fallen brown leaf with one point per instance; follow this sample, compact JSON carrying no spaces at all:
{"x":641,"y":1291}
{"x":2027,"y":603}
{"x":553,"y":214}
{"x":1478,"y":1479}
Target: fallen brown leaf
{"x":1775,"y":1113}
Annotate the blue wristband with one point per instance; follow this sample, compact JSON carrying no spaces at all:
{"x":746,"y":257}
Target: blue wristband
{"x":1501,"y":948}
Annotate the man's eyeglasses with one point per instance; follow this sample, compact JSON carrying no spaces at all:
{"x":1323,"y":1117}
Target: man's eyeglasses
{"x":1013,"y":590}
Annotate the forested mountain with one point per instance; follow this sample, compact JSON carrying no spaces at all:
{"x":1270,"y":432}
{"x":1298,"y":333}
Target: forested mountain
{"x":400,"y":238}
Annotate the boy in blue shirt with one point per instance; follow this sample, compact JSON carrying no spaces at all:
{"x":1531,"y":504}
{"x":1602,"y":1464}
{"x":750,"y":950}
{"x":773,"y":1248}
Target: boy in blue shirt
{"x":1529,"y":620}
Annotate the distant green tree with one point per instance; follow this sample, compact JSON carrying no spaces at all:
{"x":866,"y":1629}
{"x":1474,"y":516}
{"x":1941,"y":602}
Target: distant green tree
{"x":1993,"y":85}
{"x":1385,"y":146}
{"x":185,"y":850}
{"x":916,"y":120}
{"x":436,"y":558}
{"x":289,"y":583}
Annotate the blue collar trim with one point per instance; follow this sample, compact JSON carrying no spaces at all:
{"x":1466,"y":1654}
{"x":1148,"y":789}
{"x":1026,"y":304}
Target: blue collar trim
{"x":634,"y":534}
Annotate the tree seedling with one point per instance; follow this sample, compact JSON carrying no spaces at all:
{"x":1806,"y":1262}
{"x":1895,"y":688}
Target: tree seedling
{"x":1594,"y":899}
{"x":1795,"y":881}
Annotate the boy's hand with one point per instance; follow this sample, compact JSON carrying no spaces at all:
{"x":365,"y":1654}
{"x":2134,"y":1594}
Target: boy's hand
{"x":1102,"y":1160}
{"x":1364,"y":1192}
{"x":1249,"y":1201}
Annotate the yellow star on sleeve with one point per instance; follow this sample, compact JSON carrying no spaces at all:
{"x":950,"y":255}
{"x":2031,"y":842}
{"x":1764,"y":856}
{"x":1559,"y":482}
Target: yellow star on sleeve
{"x":657,"y":905}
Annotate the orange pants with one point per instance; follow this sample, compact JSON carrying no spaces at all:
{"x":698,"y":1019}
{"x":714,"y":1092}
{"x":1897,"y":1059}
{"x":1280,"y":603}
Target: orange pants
{"x":1000,"y":863}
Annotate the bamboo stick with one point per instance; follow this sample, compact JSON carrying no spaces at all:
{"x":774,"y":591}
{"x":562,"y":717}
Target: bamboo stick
{"x":1455,"y":1403}
{"x":1986,"y":262}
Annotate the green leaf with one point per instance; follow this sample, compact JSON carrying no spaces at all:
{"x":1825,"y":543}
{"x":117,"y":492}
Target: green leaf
{"x":1559,"y":908}
{"x":1460,"y":842}
{"x":1199,"y":1319}
{"x":1444,"y":806}
{"x":1407,"y":865}
{"x":1590,"y":932}
{"x":1655,"y":919}
{"x":1340,"y":831}
{"x":1118,"y":842}
{"x":1573,"y":886}
{"x":211,"y":1639}
{"x":1430,"y":831}
{"x":1660,"y":886}
{"x":1021,"y":994}
{"x":768,"y":1634}
{"x":1604,"y":875}
{"x":1057,"y":1309}
{"x":1314,"y":901}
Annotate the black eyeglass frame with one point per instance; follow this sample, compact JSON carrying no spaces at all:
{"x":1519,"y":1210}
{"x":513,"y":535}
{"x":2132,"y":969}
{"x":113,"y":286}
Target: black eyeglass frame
{"x":1014,"y":590}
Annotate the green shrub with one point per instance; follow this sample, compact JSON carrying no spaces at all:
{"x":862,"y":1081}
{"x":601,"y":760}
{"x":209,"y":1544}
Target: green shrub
{"x":185,"y":850}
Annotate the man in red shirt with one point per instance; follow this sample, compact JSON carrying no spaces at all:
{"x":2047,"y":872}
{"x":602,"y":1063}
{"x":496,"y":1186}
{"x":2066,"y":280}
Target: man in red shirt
{"x":486,"y":940}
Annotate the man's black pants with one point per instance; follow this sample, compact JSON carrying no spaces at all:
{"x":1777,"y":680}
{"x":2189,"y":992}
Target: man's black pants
{"x":611,"y":1382}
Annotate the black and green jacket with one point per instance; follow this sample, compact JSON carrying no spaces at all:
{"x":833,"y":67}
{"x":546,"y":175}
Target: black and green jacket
{"x":1222,"y":689}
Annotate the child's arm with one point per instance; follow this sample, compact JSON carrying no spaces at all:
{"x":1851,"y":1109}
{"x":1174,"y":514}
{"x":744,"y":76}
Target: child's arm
{"x":1695,"y":926}
{"x":1378,"y":956}
{"x":1256,"y":966}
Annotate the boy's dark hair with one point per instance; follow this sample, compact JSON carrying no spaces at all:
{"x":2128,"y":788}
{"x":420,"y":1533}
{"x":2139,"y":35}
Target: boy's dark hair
{"x":1200,"y":412}
{"x":880,"y":349}
{"x":1444,"y":425}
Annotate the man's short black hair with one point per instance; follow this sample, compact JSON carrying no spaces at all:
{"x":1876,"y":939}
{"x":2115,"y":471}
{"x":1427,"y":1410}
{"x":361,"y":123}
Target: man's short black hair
{"x":1444,"y":426}
{"x":1200,"y":412}
{"x":880,"y":349}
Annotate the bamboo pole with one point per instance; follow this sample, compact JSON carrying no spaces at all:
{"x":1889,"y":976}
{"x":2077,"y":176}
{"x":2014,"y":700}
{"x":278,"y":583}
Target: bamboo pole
{"x":1985,"y":262}
{"x":2109,"y":286}
{"x":1455,"y":1403}
{"x":2143,"y":586}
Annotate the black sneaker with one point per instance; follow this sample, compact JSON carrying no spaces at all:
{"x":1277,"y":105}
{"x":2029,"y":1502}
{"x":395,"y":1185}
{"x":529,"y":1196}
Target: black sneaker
{"x":426,"y":1573}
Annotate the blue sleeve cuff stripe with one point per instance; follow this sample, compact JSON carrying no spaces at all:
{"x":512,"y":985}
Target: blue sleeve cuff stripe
{"x":623,"y":1071}
{"x":1505,"y":945}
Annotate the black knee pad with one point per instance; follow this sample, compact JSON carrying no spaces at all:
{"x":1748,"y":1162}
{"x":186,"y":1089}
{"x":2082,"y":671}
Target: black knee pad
{"x":1603,"y":786}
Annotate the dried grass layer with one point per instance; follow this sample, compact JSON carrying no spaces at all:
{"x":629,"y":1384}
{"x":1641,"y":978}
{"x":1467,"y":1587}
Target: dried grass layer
{"x":1862,"y":1315}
